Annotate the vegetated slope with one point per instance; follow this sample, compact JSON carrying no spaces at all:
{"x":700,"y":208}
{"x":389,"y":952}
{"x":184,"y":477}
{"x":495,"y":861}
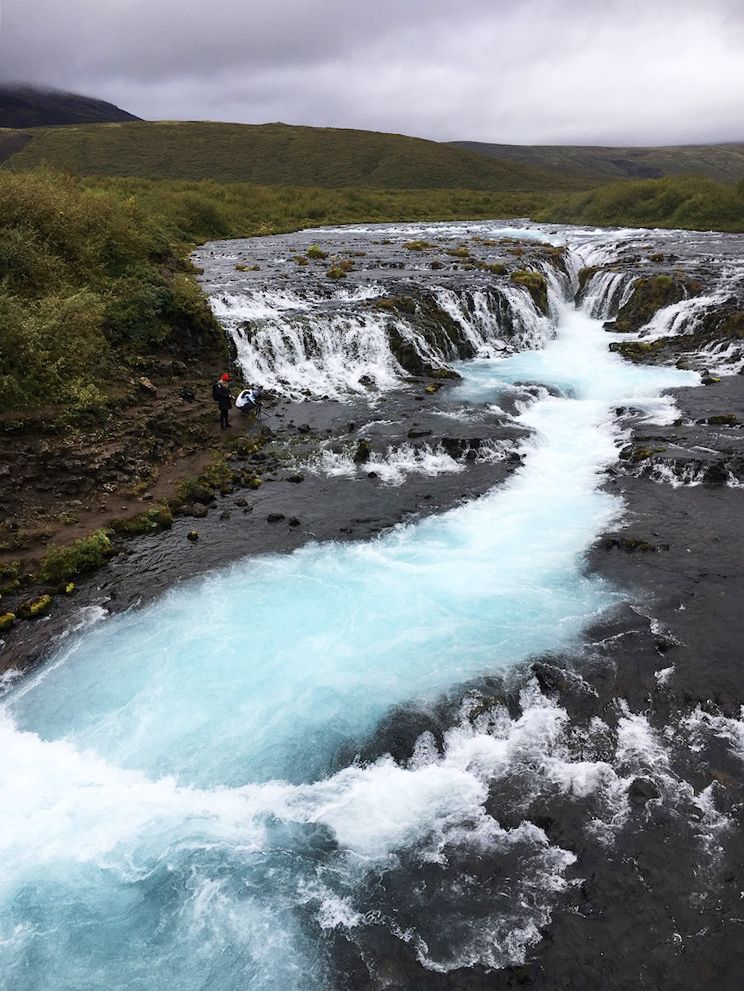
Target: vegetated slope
{"x":12,"y":142}
{"x":30,"y":106}
{"x":90,"y":285}
{"x":724,"y":162}
{"x":275,"y":154}
{"x":193,"y":212}
{"x":684,"y":202}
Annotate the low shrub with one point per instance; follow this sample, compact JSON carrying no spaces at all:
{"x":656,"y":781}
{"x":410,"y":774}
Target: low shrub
{"x":60,"y":564}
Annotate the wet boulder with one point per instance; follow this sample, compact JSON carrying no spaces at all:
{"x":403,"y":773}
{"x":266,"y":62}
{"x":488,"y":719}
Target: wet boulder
{"x":641,"y":790}
{"x":363,"y":452}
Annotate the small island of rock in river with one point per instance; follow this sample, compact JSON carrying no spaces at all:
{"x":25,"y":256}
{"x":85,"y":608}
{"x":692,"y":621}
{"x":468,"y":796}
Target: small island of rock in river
{"x":445,"y":692}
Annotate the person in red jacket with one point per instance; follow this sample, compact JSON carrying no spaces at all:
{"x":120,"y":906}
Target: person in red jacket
{"x":222,"y":396}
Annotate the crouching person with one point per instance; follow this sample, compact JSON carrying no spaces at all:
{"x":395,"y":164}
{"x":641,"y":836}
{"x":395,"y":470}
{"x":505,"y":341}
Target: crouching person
{"x":249,"y":401}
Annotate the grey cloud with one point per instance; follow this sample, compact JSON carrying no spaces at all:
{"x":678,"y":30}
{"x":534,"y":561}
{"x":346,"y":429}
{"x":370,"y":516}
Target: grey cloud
{"x":536,"y":71}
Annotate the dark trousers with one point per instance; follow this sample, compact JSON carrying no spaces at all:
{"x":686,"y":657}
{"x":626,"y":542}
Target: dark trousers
{"x":223,"y":417}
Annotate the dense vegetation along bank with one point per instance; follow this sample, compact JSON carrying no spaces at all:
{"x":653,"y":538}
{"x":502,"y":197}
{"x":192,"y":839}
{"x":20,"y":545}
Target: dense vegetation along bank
{"x":101,"y":322}
{"x":684,"y":202}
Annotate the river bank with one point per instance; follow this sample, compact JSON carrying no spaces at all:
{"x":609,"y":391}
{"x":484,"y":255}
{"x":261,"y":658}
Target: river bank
{"x":290,"y":506}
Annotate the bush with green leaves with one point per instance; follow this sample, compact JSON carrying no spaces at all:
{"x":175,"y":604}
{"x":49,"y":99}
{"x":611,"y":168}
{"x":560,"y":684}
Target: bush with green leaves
{"x":62,"y":563}
{"x":685,"y":202}
{"x":87,"y":279}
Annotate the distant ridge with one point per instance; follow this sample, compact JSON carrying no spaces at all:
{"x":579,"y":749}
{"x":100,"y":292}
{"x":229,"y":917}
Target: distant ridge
{"x":723,"y":162}
{"x":30,"y":106}
{"x":274,"y":155}
{"x":98,"y":139}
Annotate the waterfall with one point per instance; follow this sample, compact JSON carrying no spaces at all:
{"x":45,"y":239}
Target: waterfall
{"x":606,"y":292}
{"x":298,"y":344}
{"x":314,"y":336}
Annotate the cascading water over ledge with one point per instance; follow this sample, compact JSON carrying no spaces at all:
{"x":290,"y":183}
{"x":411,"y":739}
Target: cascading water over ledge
{"x":413,"y":310}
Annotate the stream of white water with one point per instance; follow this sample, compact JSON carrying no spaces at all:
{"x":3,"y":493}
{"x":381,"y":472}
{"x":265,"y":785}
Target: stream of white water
{"x":173,"y":815}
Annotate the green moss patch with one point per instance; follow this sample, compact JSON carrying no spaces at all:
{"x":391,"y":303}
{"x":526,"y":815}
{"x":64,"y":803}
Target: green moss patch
{"x":60,"y":564}
{"x":535,"y":285}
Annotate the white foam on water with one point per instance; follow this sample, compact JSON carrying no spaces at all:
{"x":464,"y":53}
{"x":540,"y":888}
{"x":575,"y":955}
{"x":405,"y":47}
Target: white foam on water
{"x":723,"y":358}
{"x":478,"y":320}
{"x":315,"y":351}
{"x":392,"y":468}
{"x":489,"y":229}
{"x":680,"y":318}
{"x":171,"y":785}
{"x":700,"y":723}
{"x":398,"y":463}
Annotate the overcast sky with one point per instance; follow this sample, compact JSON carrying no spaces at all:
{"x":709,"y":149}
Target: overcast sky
{"x":616,"y":72}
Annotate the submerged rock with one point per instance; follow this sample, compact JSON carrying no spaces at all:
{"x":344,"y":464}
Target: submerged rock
{"x":363,"y":452}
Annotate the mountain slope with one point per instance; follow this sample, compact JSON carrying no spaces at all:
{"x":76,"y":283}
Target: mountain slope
{"x":28,"y":106}
{"x":275,"y":154}
{"x":724,"y":162}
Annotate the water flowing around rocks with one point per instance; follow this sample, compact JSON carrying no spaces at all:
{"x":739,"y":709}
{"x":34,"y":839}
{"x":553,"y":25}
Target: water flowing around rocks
{"x":336,"y":768}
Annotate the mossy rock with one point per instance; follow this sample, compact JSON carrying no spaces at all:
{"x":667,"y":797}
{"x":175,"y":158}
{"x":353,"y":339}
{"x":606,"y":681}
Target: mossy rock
{"x":585,"y":276}
{"x":535,"y":285}
{"x":155,"y":519}
{"x":404,"y":304}
{"x":6,"y":621}
{"x":732,"y":325}
{"x":35,"y":608}
{"x":399,"y":304}
{"x":244,"y":447}
{"x":651,"y":295}
{"x":636,"y":350}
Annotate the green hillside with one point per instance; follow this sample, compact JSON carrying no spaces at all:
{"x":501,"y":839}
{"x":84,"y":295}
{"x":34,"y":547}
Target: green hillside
{"x":724,"y":162}
{"x":676,"y":202}
{"x":274,"y":154}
